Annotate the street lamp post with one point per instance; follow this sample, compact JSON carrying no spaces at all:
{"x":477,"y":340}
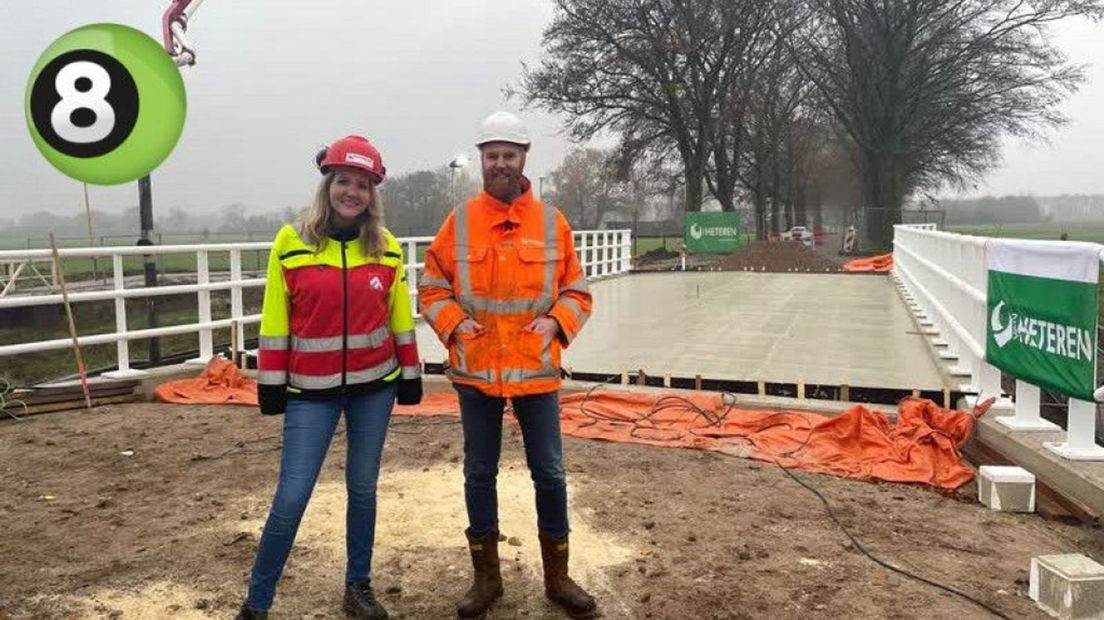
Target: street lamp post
{"x":457,"y":163}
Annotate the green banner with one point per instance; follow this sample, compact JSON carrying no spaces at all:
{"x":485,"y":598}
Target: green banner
{"x":1043,"y":331}
{"x":712,"y":232}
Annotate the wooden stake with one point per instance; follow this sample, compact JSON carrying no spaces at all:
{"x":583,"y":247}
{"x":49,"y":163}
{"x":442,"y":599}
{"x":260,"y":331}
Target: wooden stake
{"x":762,"y":388}
{"x":641,"y":379}
{"x":801,"y":390}
{"x":845,"y":392}
{"x":72,"y":324}
{"x":697,"y":382}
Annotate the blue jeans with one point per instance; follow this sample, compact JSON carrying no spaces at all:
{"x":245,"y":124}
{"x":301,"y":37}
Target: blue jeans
{"x":539,"y":418}
{"x":308,"y":429}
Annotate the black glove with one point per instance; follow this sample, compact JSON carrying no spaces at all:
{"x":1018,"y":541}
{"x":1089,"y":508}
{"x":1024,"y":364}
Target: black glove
{"x":410,"y":391}
{"x":272,"y":398}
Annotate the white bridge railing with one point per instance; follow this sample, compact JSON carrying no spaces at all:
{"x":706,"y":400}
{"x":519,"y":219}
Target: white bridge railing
{"x":602,"y":253}
{"x":945,"y":280}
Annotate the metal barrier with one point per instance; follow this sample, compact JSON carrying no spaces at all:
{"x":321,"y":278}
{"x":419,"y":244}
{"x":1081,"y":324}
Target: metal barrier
{"x":602,"y":253}
{"x":945,"y":279}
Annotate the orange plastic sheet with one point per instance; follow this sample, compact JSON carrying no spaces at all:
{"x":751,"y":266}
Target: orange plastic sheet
{"x":880,"y":264}
{"x":220,"y":384}
{"x":862,"y":444}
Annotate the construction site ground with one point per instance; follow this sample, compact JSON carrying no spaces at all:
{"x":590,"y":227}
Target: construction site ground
{"x":154,"y":511}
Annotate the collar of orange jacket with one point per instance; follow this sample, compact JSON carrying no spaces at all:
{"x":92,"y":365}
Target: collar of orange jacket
{"x":509,"y":212}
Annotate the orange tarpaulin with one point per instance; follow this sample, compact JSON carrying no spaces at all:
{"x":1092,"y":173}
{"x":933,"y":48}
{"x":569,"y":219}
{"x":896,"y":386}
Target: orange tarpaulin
{"x":859,"y":443}
{"x":220,"y":384}
{"x":880,"y":264}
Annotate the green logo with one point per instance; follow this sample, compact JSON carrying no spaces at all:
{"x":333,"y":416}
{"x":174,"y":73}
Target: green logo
{"x":712,"y":231}
{"x":1042,"y":330}
{"x":105,"y":104}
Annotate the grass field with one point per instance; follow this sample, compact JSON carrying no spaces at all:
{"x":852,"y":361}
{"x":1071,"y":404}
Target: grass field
{"x":1091,"y":231}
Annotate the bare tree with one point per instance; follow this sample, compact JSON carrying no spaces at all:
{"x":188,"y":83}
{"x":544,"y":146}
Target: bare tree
{"x":585,"y":188}
{"x":655,"y":72}
{"x":926,"y":88}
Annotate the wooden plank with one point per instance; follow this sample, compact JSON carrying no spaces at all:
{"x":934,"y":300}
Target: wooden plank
{"x":34,"y":397}
{"x":70,"y":405}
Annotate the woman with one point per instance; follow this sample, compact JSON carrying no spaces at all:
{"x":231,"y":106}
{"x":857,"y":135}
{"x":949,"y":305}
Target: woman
{"x":337,"y":334}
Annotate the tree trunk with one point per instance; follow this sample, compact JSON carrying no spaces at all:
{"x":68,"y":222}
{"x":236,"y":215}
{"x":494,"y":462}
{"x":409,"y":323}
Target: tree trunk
{"x":882,"y":198}
{"x":776,"y":205}
{"x":695,"y":190}
{"x":760,"y":201}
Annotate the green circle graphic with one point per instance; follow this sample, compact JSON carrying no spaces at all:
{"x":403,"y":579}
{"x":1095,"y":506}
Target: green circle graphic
{"x":162,"y":104}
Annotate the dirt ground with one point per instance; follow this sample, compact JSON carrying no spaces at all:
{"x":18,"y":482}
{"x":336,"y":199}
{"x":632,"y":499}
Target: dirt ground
{"x":769,"y":257}
{"x":122,"y":512}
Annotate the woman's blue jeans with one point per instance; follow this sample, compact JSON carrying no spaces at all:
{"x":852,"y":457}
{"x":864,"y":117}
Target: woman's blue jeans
{"x":308,"y":429}
{"x":539,"y":418}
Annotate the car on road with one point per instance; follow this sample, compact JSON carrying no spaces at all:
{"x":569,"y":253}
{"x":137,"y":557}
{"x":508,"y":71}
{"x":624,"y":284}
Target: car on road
{"x":800,"y":233}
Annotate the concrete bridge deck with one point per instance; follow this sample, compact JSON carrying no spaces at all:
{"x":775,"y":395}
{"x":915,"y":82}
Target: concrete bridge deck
{"x":831,"y":329}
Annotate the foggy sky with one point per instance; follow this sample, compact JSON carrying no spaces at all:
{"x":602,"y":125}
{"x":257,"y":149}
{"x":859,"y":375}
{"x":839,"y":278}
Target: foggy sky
{"x":274,"y":80}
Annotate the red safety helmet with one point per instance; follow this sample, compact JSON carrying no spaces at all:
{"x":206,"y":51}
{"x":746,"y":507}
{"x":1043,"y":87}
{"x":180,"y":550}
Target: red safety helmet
{"x":354,"y":152}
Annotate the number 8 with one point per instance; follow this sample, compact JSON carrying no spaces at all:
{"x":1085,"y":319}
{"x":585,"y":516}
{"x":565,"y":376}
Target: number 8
{"x":72,"y":100}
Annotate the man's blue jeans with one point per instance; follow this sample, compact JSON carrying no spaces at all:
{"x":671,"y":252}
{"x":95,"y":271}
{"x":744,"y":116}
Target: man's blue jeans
{"x":539,"y":418}
{"x":308,"y":429}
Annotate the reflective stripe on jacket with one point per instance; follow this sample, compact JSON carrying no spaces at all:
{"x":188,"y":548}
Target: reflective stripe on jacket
{"x":335,"y":320}
{"x":504,"y":265}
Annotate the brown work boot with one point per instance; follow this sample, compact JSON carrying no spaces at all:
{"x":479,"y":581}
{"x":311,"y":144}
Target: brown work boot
{"x":487,"y":583}
{"x":560,"y":588}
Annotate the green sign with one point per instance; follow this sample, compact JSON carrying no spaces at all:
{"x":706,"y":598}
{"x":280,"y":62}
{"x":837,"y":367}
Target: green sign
{"x":1042,"y":314}
{"x":712,"y":232}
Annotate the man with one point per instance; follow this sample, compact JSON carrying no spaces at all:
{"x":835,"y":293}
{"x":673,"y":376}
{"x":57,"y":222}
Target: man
{"x":505,"y":293}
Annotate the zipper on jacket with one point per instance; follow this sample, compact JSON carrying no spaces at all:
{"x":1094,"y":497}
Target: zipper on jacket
{"x":344,"y":318}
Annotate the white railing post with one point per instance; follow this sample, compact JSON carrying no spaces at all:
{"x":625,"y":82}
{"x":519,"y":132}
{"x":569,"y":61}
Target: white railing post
{"x":236,"y":308}
{"x":582,"y":249}
{"x":609,"y":252}
{"x":603,"y":255}
{"x":626,"y":251}
{"x":206,"y":335}
{"x":1080,"y":443}
{"x":122,"y":346}
{"x":1027,"y":416}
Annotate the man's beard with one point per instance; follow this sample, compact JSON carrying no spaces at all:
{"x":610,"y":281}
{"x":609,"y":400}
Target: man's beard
{"x":505,"y":187}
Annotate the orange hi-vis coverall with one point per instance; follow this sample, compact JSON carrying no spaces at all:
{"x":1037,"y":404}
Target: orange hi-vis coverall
{"x":504,"y":265}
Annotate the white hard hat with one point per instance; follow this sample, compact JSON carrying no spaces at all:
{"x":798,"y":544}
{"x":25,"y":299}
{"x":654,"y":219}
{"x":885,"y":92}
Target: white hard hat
{"x":502,"y":127}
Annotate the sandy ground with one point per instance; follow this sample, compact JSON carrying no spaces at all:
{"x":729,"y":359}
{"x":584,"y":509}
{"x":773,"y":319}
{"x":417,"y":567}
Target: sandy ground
{"x":168,"y":532}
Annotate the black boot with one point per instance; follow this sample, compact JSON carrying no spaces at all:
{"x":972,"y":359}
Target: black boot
{"x":360,"y":602}
{"x":246,"y":613}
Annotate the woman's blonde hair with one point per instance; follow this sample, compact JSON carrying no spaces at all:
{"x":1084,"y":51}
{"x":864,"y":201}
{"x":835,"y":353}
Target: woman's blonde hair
{"x":318,"y":221}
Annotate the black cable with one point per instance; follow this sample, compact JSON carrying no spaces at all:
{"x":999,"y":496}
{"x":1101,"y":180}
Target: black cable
{"x":658,"y":406}
{"x":901,"y":571}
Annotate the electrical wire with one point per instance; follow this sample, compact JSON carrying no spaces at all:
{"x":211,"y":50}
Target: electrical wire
{"x":673,"y":401}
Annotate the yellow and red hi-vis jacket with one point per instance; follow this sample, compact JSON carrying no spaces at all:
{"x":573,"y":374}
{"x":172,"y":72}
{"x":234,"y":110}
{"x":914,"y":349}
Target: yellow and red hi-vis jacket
{"x":335,"y":322}
{"x":504,"y":265}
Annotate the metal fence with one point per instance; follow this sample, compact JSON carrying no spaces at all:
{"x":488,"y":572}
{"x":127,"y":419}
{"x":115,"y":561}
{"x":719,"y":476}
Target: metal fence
{"x":602,"y":253}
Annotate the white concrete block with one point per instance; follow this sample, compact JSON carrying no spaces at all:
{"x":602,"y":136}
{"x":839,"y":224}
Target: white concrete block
{"x":1068,"y":586}
{"x":1006,"y":488}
